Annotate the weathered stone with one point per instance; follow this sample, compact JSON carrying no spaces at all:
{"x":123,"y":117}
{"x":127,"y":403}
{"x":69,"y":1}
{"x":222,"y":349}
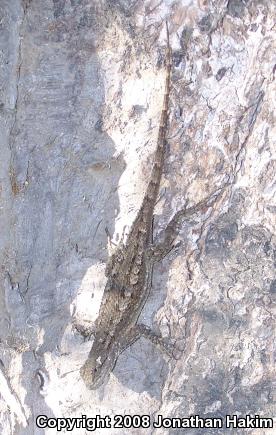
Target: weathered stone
{"x":81,"y":86}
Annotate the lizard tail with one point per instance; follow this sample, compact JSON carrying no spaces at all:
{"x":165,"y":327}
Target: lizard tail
{"x":153,"y":187}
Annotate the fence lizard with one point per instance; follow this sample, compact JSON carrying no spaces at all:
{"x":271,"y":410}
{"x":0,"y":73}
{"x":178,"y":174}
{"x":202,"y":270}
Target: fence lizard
{"x":129,"y":269}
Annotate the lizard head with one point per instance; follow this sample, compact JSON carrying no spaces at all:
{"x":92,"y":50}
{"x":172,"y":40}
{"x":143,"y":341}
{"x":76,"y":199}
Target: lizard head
{"x":96,"y":370}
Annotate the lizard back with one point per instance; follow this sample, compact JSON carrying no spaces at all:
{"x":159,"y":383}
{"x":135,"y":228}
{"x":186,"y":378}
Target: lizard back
{"x":127,"y":270}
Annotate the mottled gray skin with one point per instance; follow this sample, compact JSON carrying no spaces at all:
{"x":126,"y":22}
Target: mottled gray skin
{"x":128,"y":271}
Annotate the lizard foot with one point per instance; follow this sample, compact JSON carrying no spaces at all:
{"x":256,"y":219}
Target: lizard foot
{"x":168,"y":348}
{"x":85,"y":330}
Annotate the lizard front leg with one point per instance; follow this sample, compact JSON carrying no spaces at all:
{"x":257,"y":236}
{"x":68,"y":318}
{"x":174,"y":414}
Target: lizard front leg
{"x":157,"y":340}
{"x":142,"y":330}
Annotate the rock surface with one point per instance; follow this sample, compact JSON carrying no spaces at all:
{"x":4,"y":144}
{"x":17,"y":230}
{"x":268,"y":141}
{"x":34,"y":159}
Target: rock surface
{"x":81,"y":88}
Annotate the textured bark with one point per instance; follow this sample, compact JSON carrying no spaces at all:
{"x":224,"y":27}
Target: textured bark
{"x":81,"y":89}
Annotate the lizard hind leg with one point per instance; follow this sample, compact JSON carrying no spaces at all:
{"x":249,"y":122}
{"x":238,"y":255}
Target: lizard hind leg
{"x":86,"y":330}
{"x":110,"y":244}
{"x":166,"y":238}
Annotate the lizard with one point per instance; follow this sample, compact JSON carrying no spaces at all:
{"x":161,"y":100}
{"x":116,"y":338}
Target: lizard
{"x":129,"y":269}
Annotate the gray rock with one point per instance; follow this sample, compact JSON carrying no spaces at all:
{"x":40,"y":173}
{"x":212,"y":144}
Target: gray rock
{"x":81,"y":85}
